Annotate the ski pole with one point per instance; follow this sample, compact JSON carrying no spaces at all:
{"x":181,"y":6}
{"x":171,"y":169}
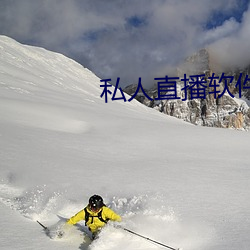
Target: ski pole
{"x":146,"y":238}
{"x":45,"y":228}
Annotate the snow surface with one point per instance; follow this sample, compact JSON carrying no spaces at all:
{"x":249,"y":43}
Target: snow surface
{"x":182,"y":185}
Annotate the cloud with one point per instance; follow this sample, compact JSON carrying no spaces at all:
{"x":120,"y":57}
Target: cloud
{"x":127,"y":39}
{"x":233,"y":49}
{"x":229,"y":27}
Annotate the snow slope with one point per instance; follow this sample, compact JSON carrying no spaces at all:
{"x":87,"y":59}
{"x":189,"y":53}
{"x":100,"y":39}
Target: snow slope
{"x":176,"y":183}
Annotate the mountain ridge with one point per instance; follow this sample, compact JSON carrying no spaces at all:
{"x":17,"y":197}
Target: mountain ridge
{"x":224,"y":112}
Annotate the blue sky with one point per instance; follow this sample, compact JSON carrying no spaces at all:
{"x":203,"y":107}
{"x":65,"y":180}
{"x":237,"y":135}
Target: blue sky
{"x":219,"y":16}
{"x":132,"y":38}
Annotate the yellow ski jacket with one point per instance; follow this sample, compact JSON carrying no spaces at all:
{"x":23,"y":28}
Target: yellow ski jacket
{"x":94,"y":223}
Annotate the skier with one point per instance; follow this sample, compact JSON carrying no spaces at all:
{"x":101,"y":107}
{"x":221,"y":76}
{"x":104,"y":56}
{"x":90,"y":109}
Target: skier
{"x":95,"y":214}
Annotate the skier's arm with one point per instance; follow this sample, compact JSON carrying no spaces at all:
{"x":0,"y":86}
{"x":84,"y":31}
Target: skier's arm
{"x":77,"y":217}
{"x":110,"y":214}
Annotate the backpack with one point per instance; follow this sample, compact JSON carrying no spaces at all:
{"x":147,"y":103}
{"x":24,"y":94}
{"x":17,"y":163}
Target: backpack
{"x":88,"y":216}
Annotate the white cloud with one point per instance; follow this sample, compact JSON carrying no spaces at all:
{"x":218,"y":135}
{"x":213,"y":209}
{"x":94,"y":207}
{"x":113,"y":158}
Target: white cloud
{"x":98,"y":34}
{"x":228,"y":28}
{"x":233,"y":50}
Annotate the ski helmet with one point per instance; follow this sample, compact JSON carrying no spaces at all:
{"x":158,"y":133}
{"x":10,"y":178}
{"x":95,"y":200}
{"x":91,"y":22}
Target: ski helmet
{"x":95,"y":202}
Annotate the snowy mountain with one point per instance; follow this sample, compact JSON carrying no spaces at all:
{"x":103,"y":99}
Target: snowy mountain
{"x":179,"y":184}
{"x":222,"y":112}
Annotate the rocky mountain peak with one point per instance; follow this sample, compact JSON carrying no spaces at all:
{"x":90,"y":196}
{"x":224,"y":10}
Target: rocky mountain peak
{"x":215,"y":110}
